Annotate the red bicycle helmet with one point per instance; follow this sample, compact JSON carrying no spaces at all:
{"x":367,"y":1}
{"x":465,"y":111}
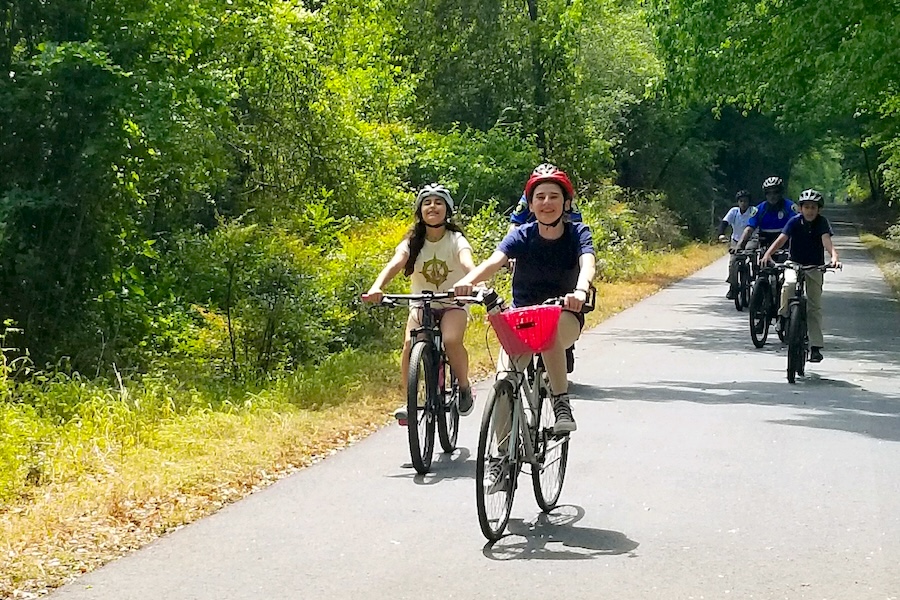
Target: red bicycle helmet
{"x":547,"y":172}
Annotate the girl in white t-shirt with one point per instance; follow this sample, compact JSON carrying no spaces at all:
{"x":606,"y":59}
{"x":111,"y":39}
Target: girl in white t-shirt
{"x":434,"y":255}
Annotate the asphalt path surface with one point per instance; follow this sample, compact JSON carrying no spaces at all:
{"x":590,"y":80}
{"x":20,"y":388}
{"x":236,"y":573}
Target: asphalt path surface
{"x":697,"y":471}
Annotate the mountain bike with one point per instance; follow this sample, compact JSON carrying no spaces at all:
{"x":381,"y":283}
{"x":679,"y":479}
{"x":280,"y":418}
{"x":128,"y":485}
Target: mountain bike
{"x":797,"y":335}
{"x":764,"y":300}
{"x":746,"y":266}
{"x":432,"y":391}
{"x":518,"y":419}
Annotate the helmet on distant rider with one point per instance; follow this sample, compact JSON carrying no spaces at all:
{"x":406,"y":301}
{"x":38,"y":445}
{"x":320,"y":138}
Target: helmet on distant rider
{"x":549,"y":173}
{"x":434,"y":189}
{"x":811,"y":195}
{"x":773,"y":183}
{"x":742,"y":194}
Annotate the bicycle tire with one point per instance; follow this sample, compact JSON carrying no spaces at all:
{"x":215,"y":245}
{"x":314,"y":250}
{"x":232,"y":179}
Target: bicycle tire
{"x":795,"y":343}
{"x":759,"y":313}
{"x":745,"y":286}
{"x":448,"y":412}
{"x":421,"y":384}
{"x":551,"y":451}
{"x":739,"y":287}
{"x":495,"y":506}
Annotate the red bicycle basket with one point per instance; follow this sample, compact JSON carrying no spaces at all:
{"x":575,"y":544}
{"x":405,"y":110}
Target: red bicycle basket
{"x":526,"y":330}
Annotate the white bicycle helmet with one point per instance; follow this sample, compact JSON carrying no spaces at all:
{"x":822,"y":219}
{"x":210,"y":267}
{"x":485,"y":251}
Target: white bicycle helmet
{"x":811,"y":195}
{"x":435,"y":189}
{"x":771,"y":183}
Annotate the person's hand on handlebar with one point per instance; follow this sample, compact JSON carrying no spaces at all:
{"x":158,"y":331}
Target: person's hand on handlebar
{"x":723,"y":238}
{"x":463,"y":289}
{"x":374,"y":295}
{"x":575,"y":300}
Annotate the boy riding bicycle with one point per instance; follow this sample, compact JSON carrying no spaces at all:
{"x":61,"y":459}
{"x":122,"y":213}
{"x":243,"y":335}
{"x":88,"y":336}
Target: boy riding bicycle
{"x":554,"y":258}
{"x":737,"y":218}
{"x":810,"y":235}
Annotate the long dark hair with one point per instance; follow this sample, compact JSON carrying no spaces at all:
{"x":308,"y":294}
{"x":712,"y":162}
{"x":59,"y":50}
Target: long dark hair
{"x":416,"y":238}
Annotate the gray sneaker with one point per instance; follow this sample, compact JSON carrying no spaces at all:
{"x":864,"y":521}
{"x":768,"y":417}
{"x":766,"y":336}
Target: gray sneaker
{"x":495,"y":477}
{"x":400,"y":415}
{"x":466,"y":401}
{"x":562,"y":409}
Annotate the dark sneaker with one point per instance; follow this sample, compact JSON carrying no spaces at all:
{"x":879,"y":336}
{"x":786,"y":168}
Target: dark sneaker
{"x":570,"y":359}
{"x":815,"y":354}
{"x":563,"y":411}
{"x":494,"y":477}
{"x":466,"y":401}
{"x":760,"y":326}
{"x":782,"y":324}
{"x":401,"y":416}
{"x":731,"y":294}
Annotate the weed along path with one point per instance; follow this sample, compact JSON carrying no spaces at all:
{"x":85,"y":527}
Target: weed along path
{"x":696,"y":471}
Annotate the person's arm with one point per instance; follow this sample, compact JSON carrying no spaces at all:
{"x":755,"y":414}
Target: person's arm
{"x":780,"y":241}
{"x":587,"y":266}
{"x":394,"y":266}
{"x":748,"y":231}
{"x":832,"y":251}
{"x":482,"y":272}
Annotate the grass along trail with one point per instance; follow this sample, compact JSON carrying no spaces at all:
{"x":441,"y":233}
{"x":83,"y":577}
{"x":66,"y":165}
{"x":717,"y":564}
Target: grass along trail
{"x":191,"y":465}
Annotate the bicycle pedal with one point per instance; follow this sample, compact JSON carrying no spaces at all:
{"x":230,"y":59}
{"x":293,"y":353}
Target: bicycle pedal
{"x":402,"y":422}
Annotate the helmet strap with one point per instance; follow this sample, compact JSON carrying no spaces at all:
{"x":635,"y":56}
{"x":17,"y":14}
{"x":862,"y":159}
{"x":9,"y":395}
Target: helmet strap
{"x":438,"y":226}
{"x":553,"y":224}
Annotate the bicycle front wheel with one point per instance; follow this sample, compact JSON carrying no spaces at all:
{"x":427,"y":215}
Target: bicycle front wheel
{"x":495,"y":471}
{"x":759,"y":313}
{"x":420,"y":385}
{"x":551,"y":452}
{"x":448,"y":413}
{"x":744,"y":286}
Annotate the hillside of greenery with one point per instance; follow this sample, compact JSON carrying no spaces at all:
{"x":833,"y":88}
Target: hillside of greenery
{"x":193,"y":193}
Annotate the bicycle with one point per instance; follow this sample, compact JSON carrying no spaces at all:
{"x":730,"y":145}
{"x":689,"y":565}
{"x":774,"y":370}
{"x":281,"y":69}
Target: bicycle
{"x":796,"y":327}
{"x":432,"y":391}
{"x":518,"y":419}
{"x":763,"y":305}
{"x":746,"y":270}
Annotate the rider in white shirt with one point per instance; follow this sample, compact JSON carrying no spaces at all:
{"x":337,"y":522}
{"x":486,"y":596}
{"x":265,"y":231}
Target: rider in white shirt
{"x":737,"y":218}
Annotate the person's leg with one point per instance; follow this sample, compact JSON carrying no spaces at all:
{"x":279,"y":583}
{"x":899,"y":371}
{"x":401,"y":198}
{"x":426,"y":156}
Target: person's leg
{"x":814,"y":280}
{"x":453,"y":330}
{"x":568,"y":330}
{"x":787,"y":291}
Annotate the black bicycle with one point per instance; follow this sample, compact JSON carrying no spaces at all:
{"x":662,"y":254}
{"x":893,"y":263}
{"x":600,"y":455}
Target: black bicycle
{"x":517,"y":426}
{"x":764,"y":298}
{"x":432,"y":391}
{"x":797,"y":335}
{"x":746,"y":266}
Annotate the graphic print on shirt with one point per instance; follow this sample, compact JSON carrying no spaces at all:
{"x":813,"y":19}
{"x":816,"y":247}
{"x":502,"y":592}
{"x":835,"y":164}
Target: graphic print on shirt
{"x":435,"y":271}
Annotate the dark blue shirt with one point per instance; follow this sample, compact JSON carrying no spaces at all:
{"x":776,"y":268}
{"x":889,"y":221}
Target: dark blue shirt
{"x":545,"y":268}
{"x":770,"y":220}
{"x":806,"y":239}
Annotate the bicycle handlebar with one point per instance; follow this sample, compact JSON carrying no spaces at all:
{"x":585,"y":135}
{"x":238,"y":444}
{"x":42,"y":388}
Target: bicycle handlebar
{"x":448,"y":298}
{"x":798,"y":267}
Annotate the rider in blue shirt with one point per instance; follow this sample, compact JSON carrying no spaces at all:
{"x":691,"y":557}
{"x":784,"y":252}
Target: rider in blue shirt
{"x":771,"y":216}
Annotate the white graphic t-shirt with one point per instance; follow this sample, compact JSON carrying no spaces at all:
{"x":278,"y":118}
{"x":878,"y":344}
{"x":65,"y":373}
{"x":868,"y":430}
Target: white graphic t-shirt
{"x":437,"y":266}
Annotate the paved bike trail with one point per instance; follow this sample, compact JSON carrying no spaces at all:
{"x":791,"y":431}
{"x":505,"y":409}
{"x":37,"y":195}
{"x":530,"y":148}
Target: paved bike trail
{"x":697,"y":471}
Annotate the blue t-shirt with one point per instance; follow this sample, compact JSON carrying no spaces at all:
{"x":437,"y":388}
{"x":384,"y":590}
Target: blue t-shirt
{"x":521,"y":214}
{"x":806,"y":239}
{"x":770,"y":220}
{"x":545,"y":268}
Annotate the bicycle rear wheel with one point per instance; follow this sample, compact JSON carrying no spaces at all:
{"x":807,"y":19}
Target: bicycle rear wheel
{"x":497,"y":454}
{"x":551,"y":451}
{"x":759,"y":313}
{"x":739,"y":286}
{"x":448,"y":414}
{"x":420,"y":384}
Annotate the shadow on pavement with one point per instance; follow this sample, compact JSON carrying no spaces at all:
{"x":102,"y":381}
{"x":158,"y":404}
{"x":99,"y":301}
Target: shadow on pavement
{"x":855,"y":410}
{"x":444,"y":467}
{"x":553,"y":536}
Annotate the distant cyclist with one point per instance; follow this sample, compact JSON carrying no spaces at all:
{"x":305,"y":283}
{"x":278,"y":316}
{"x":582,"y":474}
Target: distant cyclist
{"x":521,"y":215}
{"x":771,"y":216}
{"x":737,"y":218}
{"x":810,"y":236}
